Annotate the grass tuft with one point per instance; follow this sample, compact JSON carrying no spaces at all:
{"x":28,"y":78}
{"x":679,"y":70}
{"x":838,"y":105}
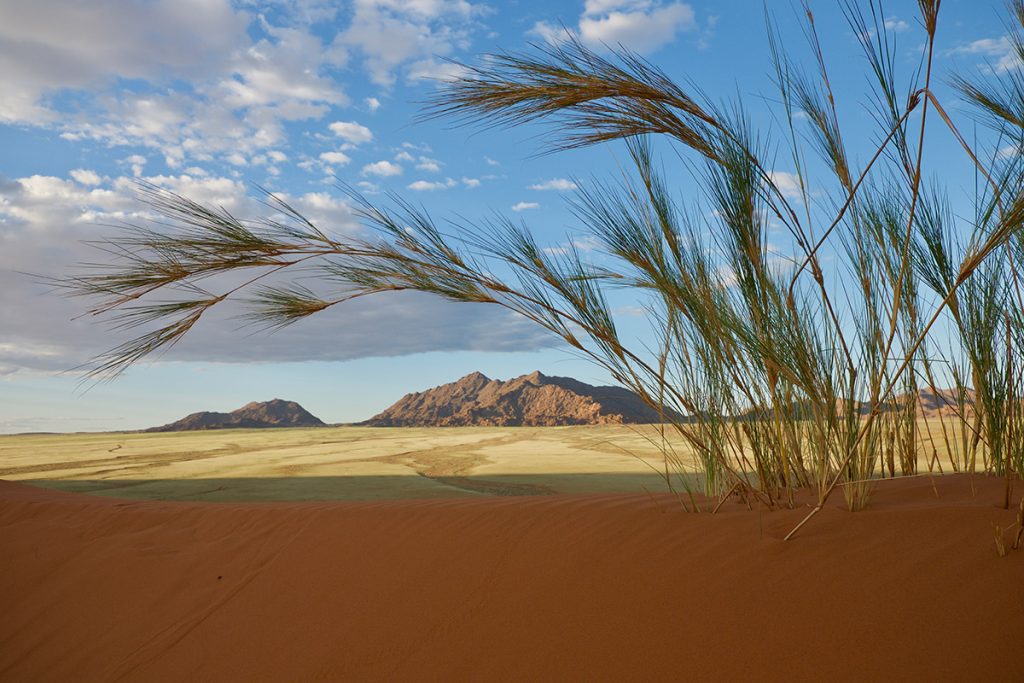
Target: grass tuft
{"x":774,"y":368}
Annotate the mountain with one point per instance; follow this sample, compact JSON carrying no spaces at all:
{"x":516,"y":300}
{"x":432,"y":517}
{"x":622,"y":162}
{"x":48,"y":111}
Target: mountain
{"x":255,"y":415}
{"x":943,"y":402}
{"x":530,"y":400}
{"x":927,"y":403}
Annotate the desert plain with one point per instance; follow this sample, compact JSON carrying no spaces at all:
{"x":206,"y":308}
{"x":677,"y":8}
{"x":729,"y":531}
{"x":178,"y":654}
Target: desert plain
{"x":364,"y":463}
{"x":343,"y":463}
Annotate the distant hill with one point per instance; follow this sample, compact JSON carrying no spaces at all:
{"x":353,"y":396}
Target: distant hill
{"x":927,"y":403}
{"x":530,"y":400}
{"x":931,"y":403}
{"x":255,"y":415}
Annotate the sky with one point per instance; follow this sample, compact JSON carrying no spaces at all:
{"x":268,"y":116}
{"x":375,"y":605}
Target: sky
{"x":214,"y":99}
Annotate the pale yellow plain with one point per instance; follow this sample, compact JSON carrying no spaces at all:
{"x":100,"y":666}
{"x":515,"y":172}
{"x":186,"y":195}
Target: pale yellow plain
{"x":340,"y":463}
{"x":363,"y":463}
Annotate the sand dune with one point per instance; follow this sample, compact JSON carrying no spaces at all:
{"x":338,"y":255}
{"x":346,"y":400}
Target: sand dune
{"x":596,"y":587}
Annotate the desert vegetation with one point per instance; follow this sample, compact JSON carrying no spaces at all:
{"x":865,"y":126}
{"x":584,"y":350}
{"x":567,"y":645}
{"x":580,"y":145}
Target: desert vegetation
{"x":780,"y":369}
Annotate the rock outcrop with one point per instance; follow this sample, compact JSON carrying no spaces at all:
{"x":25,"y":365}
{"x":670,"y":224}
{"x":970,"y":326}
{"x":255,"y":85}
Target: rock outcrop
{"x":530,"y":400}
{"x":255,"y":415}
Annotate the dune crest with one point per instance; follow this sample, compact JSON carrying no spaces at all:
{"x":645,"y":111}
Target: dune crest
{"x":595,"y":587}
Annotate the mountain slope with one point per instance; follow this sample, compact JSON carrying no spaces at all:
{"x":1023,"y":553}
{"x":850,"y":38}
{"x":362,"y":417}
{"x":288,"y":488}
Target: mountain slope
{"x":255,"y":415}
{"x":530,"y":400}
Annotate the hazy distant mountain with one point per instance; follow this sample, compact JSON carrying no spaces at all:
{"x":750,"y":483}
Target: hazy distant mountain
{"x":530,"y":400}
{"x":930,"y":403}
{"x":255,"y":415}
{"x":927,"y":403}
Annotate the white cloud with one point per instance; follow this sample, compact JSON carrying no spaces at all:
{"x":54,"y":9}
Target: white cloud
{"x":551,"y":33}
{"x":238,"y":106}
{"x":471,"y":182}
{"x":434,"y":70}
{"x":404,"y":156}
{"x":204,"y":79}
{"x":426,"y":185}
{"x":491,"y":162}
{"x":525,"y":206}
{"x":214,"y":191}
{"x":136,"y":162}
{"x":284,"y":69}
{"x":328,"y":212}
{"x":86,"y":177}
{"x":895,"y":24}
{"x":639,"y":25}
{"x":560,"y":184}
{"x":382,"y":168}
{"x":391,"y":33}
{"x":421,"y":147}
{"x":54,"y":204}
{"x":335,"y":158}
{"x":605,"y":6}
{"x":788,"y":184}
{"x":983,"y":46}
{"x":299,"y":12}
{"x":352,"y":132}
{"x":999,"y":53}
{"x":1009,"y":151}
{"x":643,"y":31}
{"x":200,"y":80}
{"x":428,"y":164}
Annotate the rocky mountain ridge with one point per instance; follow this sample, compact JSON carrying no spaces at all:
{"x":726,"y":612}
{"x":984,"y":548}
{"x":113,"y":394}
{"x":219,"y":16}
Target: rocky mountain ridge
{"x":255,"y":415}
{"x":530,"y":400}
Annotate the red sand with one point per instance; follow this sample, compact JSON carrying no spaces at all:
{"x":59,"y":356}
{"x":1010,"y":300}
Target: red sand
{"x":606,"y":587}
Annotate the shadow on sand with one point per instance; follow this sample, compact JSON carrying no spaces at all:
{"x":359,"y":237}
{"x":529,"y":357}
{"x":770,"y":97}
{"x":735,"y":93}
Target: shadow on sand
{"x":278,"y":489}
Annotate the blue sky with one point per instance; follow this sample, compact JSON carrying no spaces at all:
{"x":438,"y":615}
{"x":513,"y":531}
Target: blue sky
{"x":211,"y":98}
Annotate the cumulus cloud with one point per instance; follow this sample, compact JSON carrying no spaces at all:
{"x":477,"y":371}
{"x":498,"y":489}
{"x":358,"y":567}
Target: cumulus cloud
{"x":351,"y":132}
{"x":426,"y":185}
{"x":136,"y":162}
{"x":189,"y":101}
{"x":202,"y":80}
{"x":788,"y":184}
{"x":895,"y":24}
{"x":335,"y":158}
{"x":525,"y":206}
{"x":388,"y":34}
{"x":999,"y":53}
{"x":86,"y":177}
{"x":643,"y":26}
{"x":382,"y":168}
{"x":560,"y":184}
{"x":428,"y":164}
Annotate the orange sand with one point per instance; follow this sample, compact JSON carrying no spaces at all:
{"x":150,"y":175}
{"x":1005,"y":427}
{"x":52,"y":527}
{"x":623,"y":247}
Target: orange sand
{"x":602,"y":587}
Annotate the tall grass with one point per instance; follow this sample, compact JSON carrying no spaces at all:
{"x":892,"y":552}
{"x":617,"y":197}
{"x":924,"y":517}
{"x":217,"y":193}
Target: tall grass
{"x":780,"y":370}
